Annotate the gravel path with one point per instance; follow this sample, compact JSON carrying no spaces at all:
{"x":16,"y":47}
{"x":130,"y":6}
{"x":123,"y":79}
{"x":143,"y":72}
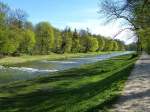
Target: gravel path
{"x":136,"y":94}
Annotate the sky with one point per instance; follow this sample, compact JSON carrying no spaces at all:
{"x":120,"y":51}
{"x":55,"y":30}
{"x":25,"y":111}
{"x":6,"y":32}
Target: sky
{"x":80,"y":14}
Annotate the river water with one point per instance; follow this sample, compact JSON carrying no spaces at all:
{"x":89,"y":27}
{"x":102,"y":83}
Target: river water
{"x":43,"y":67}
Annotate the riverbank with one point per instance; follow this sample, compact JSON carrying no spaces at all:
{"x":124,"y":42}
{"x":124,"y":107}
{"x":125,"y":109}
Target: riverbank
{"x":26,"y":58}
{"x":89,"y":88}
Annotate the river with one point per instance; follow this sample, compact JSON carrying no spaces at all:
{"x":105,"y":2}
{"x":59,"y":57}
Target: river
{"x":34,"y":69}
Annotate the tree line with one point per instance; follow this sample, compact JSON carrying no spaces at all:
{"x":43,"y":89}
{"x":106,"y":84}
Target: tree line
{"x":19,"y":36}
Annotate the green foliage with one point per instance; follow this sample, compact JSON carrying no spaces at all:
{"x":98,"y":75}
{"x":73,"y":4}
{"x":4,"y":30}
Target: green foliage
{"x":57,"y":41}
{"x":83,"y":43}
{"x":17,"y":35}
{"x":9,"y":41}
{"x":44,"y":37}
{"x":145,"y":39}
{"x":101,"y":43}
{"x":75,"y":42}
{"x":92,"y":44}
{"x":89,"y":43}
{"x":115,"y":45}
{"x":2,"y":21}
{"x":27,"y":42}
{"x":108,"y":45}
{"x":67,"y":41}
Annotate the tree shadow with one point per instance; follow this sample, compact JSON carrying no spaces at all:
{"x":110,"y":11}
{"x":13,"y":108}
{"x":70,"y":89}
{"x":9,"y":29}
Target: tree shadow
{"x":49,"y":99}
{"x":134,"y":96}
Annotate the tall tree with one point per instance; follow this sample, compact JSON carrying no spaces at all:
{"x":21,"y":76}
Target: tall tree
{"x":57,"y":41}
{"x":27,"y":42}
{"x":115,"y":45}
{"x":44,"y":37}
{"x":93,"y":44}
{"x":101,"y":43}
{"x":67,"y":40}
{"x":134,"y":12}
{"x":9,"y":42}
{"x":75,"y":42}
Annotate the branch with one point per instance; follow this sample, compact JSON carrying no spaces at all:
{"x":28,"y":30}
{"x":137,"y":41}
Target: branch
{"x":122,"y":30}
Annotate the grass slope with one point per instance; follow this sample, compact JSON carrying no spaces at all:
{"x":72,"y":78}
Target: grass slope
{"x":91,"y":88}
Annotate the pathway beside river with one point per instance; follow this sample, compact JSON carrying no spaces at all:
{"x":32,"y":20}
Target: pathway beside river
{"x":136,"y":94}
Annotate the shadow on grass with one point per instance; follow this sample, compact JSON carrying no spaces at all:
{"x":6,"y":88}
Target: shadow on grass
{"x":56,"y":99}
{"x":103,"y":107}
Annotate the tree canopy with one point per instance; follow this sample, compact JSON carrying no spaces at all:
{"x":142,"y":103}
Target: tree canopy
{"x":135,"y":13}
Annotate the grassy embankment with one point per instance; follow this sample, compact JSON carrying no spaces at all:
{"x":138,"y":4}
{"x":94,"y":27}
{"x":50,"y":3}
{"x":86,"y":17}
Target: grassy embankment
{"x":89,"y":88}
{"x":8,"y":60}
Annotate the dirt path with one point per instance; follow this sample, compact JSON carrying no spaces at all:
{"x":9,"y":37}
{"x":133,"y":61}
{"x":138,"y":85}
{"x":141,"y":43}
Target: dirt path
{"x":136,"y":95}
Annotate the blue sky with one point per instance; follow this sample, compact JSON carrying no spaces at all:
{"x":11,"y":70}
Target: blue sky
{"x":57,"y":12}
{"x":78,"y":14}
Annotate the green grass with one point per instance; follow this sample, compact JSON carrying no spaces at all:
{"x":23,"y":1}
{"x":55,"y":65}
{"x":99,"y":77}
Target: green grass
{"x":90,"y":88}
{"x":8,"y":60}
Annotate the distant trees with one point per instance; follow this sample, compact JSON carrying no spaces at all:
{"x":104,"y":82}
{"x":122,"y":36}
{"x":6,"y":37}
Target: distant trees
{"x":101,"y":43}
{"x":57,"y":41}
{"x":115,"y":46}
{"x":66,"y":40}
{"x":9,"y":42}
{"x":92,"y":44}
{"x":44,"y":37}
{"x":75,"y":42}
{"x":108,"y":45}
{"x":131,"y":47}
{"x":27,"y":42}
{"x":19,"y":36}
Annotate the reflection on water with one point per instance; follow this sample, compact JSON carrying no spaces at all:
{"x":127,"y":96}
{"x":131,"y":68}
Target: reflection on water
{"x":39,"y":68}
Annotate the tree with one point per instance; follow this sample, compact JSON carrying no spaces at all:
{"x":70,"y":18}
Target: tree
{"x":57,"y":41}
{"x":75,"y":42}
{"x":121,"y":46}
{"x":134,"y":12}
{"x":131,"y":47}
{"x":28,"y":25}
{"x":145,"y":39}
{"x":101,"y":43}
{"x":90,"y":44}
{"x":83,"y":43}
{"x":108,"y":45}
{"x":67,"y":40}
{"x":27,"y":42}
{"x":44,"y":37}
{"x":115,"y":45}
{"x":93,"y":44}
{"x":17,"y":18}
{"x":9,"y":42}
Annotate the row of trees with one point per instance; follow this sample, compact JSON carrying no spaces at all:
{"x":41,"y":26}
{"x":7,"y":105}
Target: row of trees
{"x":17,"y":35}
{"x":136,"y":14}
